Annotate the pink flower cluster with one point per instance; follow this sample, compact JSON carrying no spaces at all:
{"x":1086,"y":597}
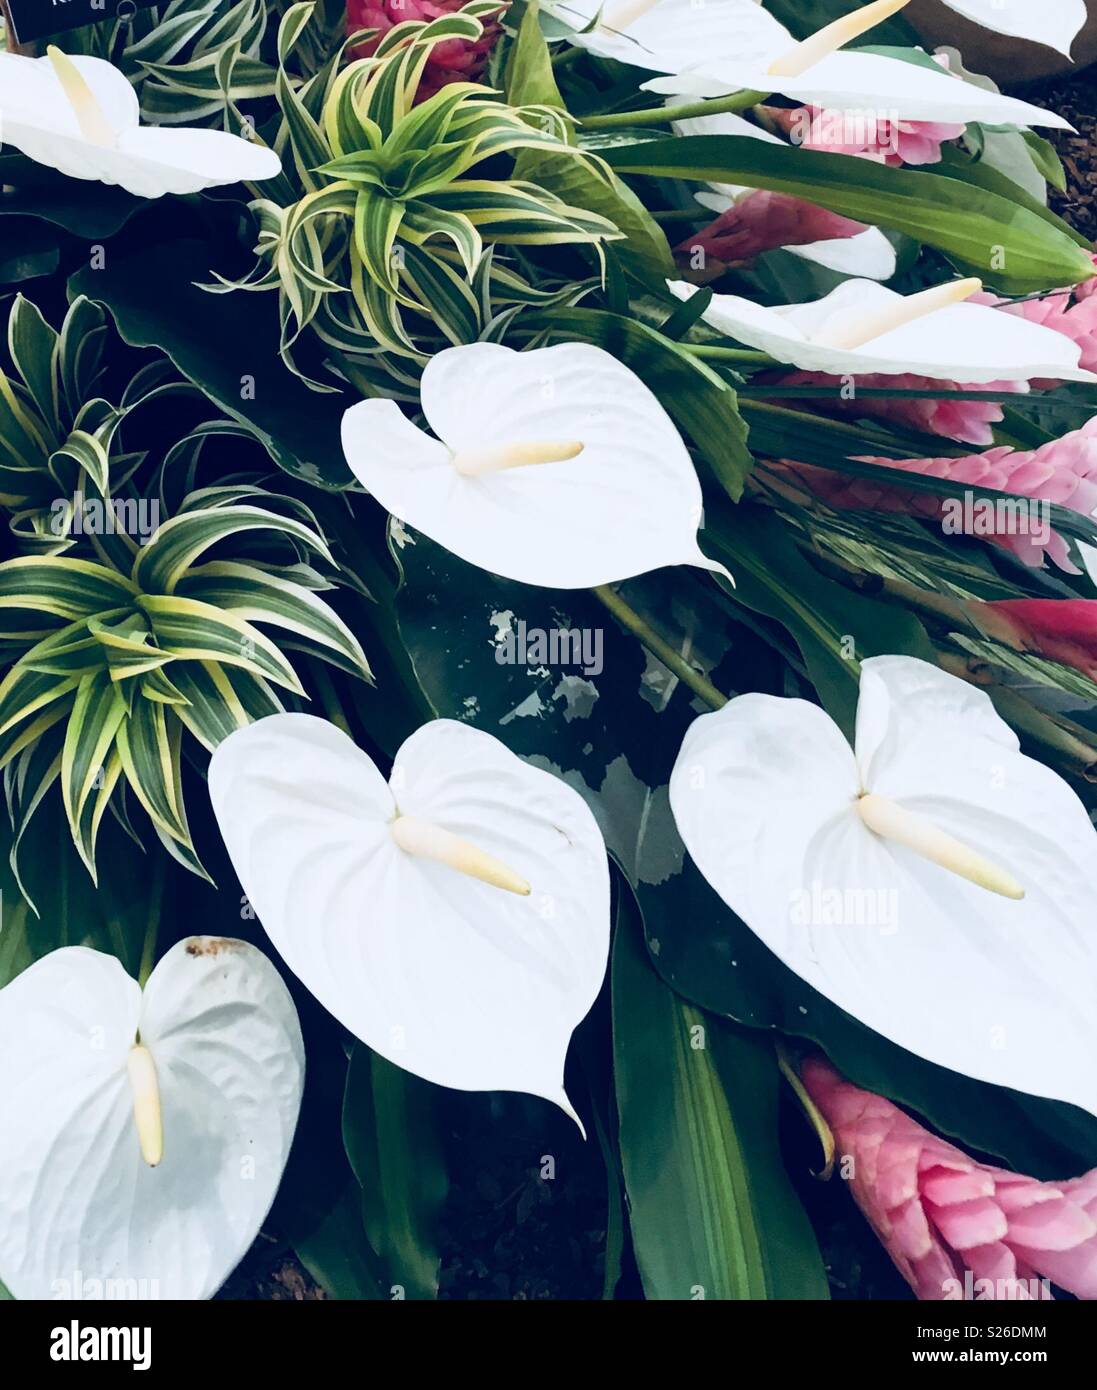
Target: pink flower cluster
{"x":955,"y":1228}
{"x":453,"y":60}
{"x":762,"y":221}
{"x":1063,"y":471}
{"x":887,"y":141}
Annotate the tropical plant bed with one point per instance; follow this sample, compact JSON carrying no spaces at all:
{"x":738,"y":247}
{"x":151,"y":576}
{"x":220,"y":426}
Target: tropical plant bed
{"x":548,"y":622}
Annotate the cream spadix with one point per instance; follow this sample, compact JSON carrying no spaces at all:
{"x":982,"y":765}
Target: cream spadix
{"x":556,"y":467}
{"x":89,"y":114}
{"x":925,"y":334}
{"x":833,"y":37}
{"x":918,"y":833}
{"x":147,"y":1113}
{"x":384,"y":897}
{"x":474,"y":463}
{"x":153,"y":1162}
{"x":853,"y":330}
{"x":866,"y":870}
{"x":80,"y":115}
{"x":416,"y":836}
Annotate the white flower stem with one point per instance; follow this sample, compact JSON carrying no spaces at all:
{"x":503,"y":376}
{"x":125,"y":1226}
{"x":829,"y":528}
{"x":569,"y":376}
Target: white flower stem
{"x":421,"y":837}
{"x":919,"y":834}
{"x":834,"y":36}
{"x":146,"y":1103}
{"x":475,"y":463}
{"x":663,"y":115}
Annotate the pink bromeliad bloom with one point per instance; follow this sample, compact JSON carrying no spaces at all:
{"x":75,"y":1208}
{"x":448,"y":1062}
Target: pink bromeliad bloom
{"x":763,"y":221}
{"x":1063,"y":471}
{"x":887,"y":142}
{"x":451,"y":61}
{"x":969,"y":422}
{"x":955,"y":1228}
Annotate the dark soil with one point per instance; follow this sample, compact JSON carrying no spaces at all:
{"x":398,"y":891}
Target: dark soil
{"x":1076,"y":99}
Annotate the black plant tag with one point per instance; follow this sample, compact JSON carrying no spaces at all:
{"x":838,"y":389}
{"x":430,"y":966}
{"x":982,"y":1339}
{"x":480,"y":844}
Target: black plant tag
{"x":34,"y":19}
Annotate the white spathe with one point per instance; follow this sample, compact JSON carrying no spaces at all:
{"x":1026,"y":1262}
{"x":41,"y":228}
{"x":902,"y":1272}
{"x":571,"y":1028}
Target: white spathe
{"x":868,"y":254}
{"x":725,"y":46}
{"x":454,"y":979}
{"x":972,"y":343}
{"x":78,"y":1200}
{"x":627,"y":501}
{"x":764,"y":793}
{"x":673,"y":34}
{"x":1054,"y":23}
{"x":99,"y":136}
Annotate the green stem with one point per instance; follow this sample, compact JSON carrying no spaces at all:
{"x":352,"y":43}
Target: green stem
{"x":152,"y":926}
{"x":661,"y":115}
{"x":811,"y":1110}
{"x":564,"y":57}
{"x":328,"y":698}
{"x":723,"y":354}
{"x":683,"y":215}
{"x":628,"y":617}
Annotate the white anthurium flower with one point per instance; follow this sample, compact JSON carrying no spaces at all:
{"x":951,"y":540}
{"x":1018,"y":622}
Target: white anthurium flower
{"x":1054,"y":23}
{"x":144,"y":1133}
{"x":455,"y":918}
{"x":81,"y":116}
{"x":669,"y":35}
{"x":936,"y":884}
{"x":869,"y":254}
{"x":818,"y":72}
{"x":862,"y":327}
{"x":555,"y":467}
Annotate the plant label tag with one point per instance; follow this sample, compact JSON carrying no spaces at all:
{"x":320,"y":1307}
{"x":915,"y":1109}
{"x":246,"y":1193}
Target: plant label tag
{"x":34,"y":19}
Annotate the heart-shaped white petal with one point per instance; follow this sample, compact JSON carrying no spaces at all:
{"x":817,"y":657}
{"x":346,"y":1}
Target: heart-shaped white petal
{"x":447,"y":976}
{"x":765,"y":795}
{"x":869,"y":254}
{"x":672,"y":34}
{"x":627,"y":501}
{"x":77,"y":1199}
{"x":860,"y":82}
{"x":961,"y":342}
{"x":1055,"y":23}
{"x":39,"y":117}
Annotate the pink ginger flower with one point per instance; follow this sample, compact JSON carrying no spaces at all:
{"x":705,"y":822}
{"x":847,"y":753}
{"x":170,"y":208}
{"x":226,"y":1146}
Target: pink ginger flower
{"x":1063,"y":471}
{"x":764,"y":221}
{"x":1088,"y":287}
{"x":969,"y":422}
{"x":886,"y":141}
{"x":956,"y":1228}
{"x":1063,"y":630}
{"x":453,"y":60}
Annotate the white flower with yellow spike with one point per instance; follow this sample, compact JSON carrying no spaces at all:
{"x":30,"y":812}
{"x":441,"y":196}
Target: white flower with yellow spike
{"x":739,"y":46}
{"x":455,"y":918}
{"x":935,"y":883}
{"x":145,"y":1132}
{"x":81,"y":116}
{"x":862,"y":327}
{"x":555,"y":467}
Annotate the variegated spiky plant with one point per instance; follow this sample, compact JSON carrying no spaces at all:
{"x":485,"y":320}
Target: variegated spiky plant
{"x":123,"y":644}
{"x":399,"y":202}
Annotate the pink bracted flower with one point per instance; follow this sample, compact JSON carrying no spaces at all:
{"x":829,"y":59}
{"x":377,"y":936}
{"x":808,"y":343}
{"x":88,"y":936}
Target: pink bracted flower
{"x":1061,"y":629}
{"x":955,"y":1228}
{"x":969,"y":422}
{"x":764,"y":221}
{"x":843,"y":132}
{"x":454,"y":60}
{"x":1063,"y":471}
